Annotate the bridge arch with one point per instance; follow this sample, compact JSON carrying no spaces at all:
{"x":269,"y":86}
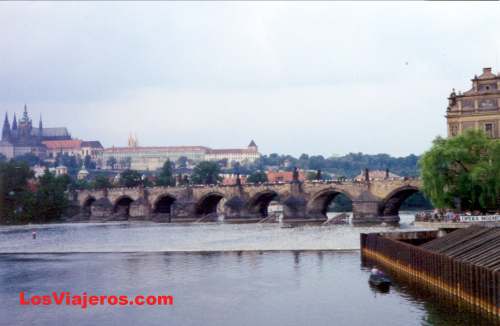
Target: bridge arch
{"x":320,"y":201}
{"x":259,"y":203}
{"x":391,"y":204}
{"x":87,"y":205}
{"x":208,"y":203}
{"x":122,"y":205}
{"x":164,"y":204}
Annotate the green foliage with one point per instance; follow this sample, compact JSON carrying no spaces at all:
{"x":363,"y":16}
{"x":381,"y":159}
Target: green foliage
{"x":70,"y":162}
{"x":341,"y":203}
{"x":349,"y":165}
{"x":464,"y":169}
{"x":111,"y":162}
{"x":3,"y":158}
{"x":206,"y":173}
{"x":166,"y":176}
{"x":89,"y":164}
{"x":28,"y":158}
{"x":49,"y":201}
{"x":101,"y":182}
{"x":14,"y":191}
{"x":182,"y":162}
{"x":80,"y":185}
{"x":417,"y":201}
{"x":130,"y":178}
{"x":257,"y":177}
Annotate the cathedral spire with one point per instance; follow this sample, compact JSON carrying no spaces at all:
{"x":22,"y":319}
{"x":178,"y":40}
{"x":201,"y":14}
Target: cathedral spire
{"x":6,"y":128}
{"x":40,"y":127}
{"x":25,"y":114}
{"x":14,"y":123}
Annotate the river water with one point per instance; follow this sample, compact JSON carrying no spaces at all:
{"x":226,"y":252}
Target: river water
{"x":219,"y":274}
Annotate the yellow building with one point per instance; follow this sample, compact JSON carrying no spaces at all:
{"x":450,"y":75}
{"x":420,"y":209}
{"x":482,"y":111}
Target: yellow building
{"x":147,"y":158}
{"x":477,"y":108}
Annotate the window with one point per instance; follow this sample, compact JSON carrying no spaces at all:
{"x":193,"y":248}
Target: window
{"x":453,"y":130}
{"x":488,"y":129}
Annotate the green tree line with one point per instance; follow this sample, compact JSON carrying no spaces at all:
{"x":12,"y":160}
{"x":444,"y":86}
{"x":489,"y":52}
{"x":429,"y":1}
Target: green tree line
{"x":21,"y":202}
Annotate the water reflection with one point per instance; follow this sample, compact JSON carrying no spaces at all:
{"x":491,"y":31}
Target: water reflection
{"x":222,"y":288}
{"x":441,"y":309}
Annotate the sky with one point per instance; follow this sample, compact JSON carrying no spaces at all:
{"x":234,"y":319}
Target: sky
{"x":317,"y":78}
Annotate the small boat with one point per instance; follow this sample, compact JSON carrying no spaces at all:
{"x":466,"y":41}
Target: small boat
{"x":379,"y":280}
{"x":287,"y":226}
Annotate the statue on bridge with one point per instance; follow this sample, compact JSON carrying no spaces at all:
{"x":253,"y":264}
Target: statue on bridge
{"x":295,"y":175}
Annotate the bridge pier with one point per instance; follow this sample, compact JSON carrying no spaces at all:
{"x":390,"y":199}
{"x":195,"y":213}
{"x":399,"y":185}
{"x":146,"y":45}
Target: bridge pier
{"x":368,"y":211}
{"x":183,"y":211}
{"x":236,"y":211}
{"x":140,"y":209}
{"x":101,"y":209}
{"x":295,"y":211}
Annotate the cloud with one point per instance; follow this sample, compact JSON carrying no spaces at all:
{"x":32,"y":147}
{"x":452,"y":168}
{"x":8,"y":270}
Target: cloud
{"x":317,"y":78}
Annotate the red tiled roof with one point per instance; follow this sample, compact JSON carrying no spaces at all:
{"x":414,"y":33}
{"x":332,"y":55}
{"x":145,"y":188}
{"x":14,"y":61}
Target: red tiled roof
{"x":62,"y":144}
{"x":284,"y":176}
{"x":92,"y":144}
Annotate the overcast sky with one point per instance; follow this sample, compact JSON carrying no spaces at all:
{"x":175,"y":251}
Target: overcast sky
{"x":318,"y":78}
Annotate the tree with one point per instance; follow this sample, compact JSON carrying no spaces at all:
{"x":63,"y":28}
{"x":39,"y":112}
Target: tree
{"x":111,"y":162}
{"x":166,"y":176}
{"x":14,"y":191}
{"x":3,"y":158}
{"x":28,"y":158}
{"x":80,"y":185}
{"x":130,"y":178}
{"x":257,"y":177}
{"x":89,"y":164}
{"x":182,"y":162}
{"x":462,"y":172}
{"x":101,"y":182}
{"x":49,"y":201}
{"x":206,"y":172}
{"x":70,"y":162}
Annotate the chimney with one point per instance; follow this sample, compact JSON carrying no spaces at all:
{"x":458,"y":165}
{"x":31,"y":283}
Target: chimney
{"x":485,"y":70}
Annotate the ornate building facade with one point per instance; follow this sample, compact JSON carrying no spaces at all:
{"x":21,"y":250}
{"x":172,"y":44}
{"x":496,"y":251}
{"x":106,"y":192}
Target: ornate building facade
{"x":21,"y":137}
{"x":147,"y":158}
{"x":477,"y":108}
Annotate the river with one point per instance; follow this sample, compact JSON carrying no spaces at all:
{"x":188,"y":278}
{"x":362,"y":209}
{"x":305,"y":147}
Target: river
{"x":219,"y":274}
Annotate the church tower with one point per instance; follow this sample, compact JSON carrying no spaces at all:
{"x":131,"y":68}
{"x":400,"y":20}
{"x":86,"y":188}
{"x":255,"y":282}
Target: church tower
{"x":25,"y":124}
{"x":6,"y":128}
{"x":253,"y":146}
{"x":132,"y":141}
{"x":40,"y":128}
{"x":14,"y":123}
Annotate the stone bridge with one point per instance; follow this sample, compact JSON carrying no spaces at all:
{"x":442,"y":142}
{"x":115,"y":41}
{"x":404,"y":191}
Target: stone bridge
{"x":303,"y":202}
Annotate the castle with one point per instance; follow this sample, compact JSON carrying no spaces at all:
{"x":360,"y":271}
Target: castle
{"x":21,"y":137}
